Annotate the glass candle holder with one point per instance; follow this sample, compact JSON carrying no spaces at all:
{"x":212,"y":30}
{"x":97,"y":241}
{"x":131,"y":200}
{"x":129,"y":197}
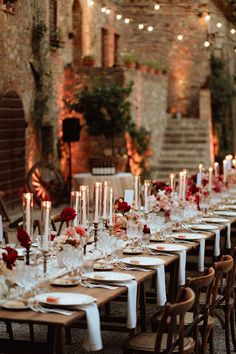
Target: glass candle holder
{"x":45,"y":224}
{"x":27,"y":203}
{"x":75,"y":201}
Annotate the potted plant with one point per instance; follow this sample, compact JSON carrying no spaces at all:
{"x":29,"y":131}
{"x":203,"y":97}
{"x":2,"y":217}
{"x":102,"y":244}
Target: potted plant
{"x":88,"y":60}
{"x":129,"y":60}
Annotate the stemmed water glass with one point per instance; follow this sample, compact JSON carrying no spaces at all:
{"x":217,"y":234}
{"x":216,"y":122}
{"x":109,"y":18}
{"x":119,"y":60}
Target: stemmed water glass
{"x":26,"y":276}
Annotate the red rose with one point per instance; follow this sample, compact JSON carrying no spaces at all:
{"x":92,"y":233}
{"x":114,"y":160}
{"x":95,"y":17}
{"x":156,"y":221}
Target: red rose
{"x":123,"y":207}
{"x":10,"y":257}
{"x":80,"y":230}
{"x":146,"y":229}
{"x":204,"y":182}
{"x":67,"y":214}
{"x":159,"y":185}
{"x":23,"y":238}
{"x":168,"y":190}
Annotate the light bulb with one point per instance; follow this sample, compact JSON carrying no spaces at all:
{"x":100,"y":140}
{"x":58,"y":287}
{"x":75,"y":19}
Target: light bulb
{"x":207,"y":17}
{"x":206,"y":44}
{"x":108,"y":11}
{"x":118,"y":17}
{"x":180,"y":37}
{"x":157,"y":6}
{"x":141,"y":26}
{"x":90,"y":3}
{"x":127,"y":20}
{"x":103,"y":9}
{"x":233,"y":30}
{"x":150,"y":28}
{"x":219,"y":25}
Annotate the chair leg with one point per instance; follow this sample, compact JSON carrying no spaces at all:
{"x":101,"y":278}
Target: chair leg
{"x":211,"y":342}
{"x":9,"y":330}
{"x":227,"y":330}
{"x":233,"y":336}
{"x":31,"y":329}
{"x":68,"y":336}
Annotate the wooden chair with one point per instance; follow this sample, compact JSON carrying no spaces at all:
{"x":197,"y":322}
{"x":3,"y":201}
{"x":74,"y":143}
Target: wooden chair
{"x":174,"y":341}
{"x":57,"y":223}
{"x":199,"y":315}
{"x":223,"y":297}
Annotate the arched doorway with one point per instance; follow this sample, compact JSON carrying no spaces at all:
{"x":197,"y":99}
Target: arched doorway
{"x":12,"y":146}
{"x":77,"y":30}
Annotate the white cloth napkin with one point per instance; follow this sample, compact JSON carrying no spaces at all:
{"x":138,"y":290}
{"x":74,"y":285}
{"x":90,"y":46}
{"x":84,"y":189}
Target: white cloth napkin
{"x":217,"y":243}
{"x":182,"y":267}
{"x":161,"y":285}
{"x":201,"y":255}
{"x":131,"y":303}
{"x":92,"y":337}
{"x":228,"y":240}
{"x":1,"y":229}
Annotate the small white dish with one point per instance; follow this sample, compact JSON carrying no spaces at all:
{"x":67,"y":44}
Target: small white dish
{"x":68,"y":282}
{"x":15,"y":305}
{"x":111,"y":277}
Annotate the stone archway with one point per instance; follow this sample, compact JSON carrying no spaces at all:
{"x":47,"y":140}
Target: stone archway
{"x":77,"y":30}
{"x":12,"y":146}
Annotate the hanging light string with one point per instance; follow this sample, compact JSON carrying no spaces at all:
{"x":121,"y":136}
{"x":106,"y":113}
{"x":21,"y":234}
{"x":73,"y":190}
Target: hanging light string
{"x":158,"y":8}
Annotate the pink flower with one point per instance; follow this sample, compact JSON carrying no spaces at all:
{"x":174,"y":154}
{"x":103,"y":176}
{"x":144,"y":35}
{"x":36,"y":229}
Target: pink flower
{"x":80,"y":231}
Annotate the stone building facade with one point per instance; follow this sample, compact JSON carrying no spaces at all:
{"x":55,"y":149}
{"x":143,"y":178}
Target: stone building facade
{"x":42,"y":41}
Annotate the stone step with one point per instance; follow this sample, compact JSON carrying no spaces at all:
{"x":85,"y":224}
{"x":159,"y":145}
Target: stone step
{"x":186,"y":122}
{"x":182,"y":134}
{"x":178,"y":163}
{"x":181,"y":154}
{"x":197,"y":140}
{"x":180,"y":147}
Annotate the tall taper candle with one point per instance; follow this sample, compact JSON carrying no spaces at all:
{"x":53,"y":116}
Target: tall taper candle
{"x":210,"y":178}
{"x":111,"y":207}
{"x":216,"y":168}
{"x":225,"y":166}
{"x":105,"y":190}
{"x":97,"y":188}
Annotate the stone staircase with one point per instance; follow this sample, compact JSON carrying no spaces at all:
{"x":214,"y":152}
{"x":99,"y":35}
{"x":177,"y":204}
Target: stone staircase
{"x":185,"y":144}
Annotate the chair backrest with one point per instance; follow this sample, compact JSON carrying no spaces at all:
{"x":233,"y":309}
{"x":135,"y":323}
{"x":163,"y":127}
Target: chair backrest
{"x":174,"y":315}
{"x":202,"y":287}
{"x":57,"y":224}
{"x":224,"y":270}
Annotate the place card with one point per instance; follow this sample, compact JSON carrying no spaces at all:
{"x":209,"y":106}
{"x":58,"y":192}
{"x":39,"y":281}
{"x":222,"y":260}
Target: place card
{"x":129,"y":196}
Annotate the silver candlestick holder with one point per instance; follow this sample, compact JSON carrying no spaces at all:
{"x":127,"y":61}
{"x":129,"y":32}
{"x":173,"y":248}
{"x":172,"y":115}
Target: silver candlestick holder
{"x":95,"y":224}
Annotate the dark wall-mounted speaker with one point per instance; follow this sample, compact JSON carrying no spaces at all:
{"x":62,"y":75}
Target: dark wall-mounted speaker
{"x":71,"y":130}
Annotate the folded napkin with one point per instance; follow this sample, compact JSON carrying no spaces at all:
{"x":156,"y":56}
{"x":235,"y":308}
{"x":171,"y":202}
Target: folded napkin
{"x":182,"y":267}
{"x":1,"y":229}
{"x":228,"y":240}
{"x":92,"y":337}
{"x":131,"y":303}
{"x":161,"y":285}
{"x":217,"y":243}
{"x":201,"y":255}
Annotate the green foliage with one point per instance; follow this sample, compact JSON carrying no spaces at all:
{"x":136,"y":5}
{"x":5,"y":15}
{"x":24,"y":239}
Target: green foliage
{"x":233,"y":4}
{"x":222,"y":92}
{"x":129,"y":58}
{"x":141,"y":138}
{"x":105,"y":108}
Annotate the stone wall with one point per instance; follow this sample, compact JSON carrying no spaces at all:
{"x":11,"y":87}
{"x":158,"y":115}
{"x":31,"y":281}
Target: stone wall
{"x":187,"y":60}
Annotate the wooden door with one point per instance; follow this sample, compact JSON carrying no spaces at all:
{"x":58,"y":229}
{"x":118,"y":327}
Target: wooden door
{"x":12,"y":147}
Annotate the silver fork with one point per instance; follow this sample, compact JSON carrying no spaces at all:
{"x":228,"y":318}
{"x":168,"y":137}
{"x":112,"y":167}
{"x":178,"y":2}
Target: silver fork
{"x":154,"y":253}
{"x":125,"y":267}
{"x":38,"y":308}
{"x":87,"y":284}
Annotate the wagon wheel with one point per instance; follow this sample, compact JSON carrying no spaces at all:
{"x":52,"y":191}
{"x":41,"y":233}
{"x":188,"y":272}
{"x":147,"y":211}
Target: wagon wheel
{"x":46,"y":183}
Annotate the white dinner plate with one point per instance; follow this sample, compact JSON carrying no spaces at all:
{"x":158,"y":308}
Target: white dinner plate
{"x":225,"y":212}
{"x":154,"y":238}
{"x":232,"y":207}
{"x":167,"y":247}
{"x":216,"y":220}
{"x":142,"y":261}
{"x":64,"y":299}
{"x":188,"y":236}
{"x":202,"y":226}
{"x":110,"y":277}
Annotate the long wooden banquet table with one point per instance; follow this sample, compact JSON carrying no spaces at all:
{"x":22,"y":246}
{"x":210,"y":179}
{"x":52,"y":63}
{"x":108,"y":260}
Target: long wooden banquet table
{"x":57,"y":323}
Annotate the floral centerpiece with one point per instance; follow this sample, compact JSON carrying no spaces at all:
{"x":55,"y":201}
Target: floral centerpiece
{"x":73,"y":236}
{"x":8,"y":288}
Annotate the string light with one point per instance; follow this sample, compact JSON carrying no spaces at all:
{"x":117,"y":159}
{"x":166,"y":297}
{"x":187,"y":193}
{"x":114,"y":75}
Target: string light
{"x":180,"y":37}
{"x":207,"y":44}
{"x":103,"y":9}
{"x":150,"y":28}
{"x":157,"y":6}
{"x":90,"y":3}
{"x":233,"y":30}
{"x":118,"y":17}
{"x":126,"y":20}
{"x":219,"y":25}
{"x":141,"y":26}
{"x":108,"y":11}
{"x":207,"y":17}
